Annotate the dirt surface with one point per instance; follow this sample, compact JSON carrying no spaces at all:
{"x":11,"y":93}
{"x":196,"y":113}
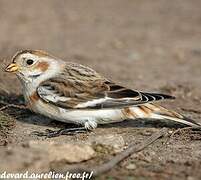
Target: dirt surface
{"x":146,"y":45}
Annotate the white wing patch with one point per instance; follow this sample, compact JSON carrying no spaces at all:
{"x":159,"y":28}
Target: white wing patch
{"x":50,"y":95}
{"x":92,"y":103}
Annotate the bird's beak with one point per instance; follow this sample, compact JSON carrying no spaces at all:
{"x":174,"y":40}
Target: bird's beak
{"x":12,"y":68}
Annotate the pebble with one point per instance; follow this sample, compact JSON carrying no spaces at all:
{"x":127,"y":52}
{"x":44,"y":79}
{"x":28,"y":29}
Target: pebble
{"x":131,"y":166}
{"x":70,"y":153}
{"x":113,"y":140}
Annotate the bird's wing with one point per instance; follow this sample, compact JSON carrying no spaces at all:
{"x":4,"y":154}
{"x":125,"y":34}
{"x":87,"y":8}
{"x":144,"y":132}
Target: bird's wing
{"x":79,"y":87}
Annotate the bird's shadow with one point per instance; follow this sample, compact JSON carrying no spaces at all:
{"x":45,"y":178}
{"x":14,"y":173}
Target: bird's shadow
{"x":26,"y":116}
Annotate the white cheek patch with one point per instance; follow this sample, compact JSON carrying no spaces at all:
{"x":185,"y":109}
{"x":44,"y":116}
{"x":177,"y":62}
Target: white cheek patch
{"x":36,"y":76}
{"x":31,"y":76}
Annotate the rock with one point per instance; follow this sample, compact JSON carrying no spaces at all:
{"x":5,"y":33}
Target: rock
{"x":19,"y":159}
{"x":36,"y":156}
{"x":71,"y":153}
{"x":113,"y":140}
{"x":131,"y":166}
{"x":170,"y":132}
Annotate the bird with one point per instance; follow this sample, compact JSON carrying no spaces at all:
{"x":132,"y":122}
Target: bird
{"x":74,"y":93}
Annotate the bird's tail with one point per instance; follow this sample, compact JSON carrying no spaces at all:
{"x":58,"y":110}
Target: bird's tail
{"x":154,"y":111}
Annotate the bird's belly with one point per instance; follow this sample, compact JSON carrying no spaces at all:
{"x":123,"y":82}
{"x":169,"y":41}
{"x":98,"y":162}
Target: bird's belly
{"x":101,"y":116}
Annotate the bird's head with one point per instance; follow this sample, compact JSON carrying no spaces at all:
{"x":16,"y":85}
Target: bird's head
{"x":30,"y":65}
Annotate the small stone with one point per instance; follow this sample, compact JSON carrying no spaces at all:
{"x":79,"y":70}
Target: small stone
{"x":113,"y":140}
{"x":131,"y":166}
{"x":71,"y":153}
{"x":170,"y":132}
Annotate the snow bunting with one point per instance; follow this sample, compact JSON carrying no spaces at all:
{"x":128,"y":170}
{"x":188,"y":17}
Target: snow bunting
{"x":74,"y":93}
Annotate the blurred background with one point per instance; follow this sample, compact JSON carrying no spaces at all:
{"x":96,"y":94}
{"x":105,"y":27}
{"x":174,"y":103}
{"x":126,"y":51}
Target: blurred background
{"x":141,"y":44}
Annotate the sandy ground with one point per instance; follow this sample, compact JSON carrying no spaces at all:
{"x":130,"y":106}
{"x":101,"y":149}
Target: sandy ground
{"x":146,"y":45}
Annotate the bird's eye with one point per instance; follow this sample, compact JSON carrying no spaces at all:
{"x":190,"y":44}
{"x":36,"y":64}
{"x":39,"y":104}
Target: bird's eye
{"x":29,"y":62}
